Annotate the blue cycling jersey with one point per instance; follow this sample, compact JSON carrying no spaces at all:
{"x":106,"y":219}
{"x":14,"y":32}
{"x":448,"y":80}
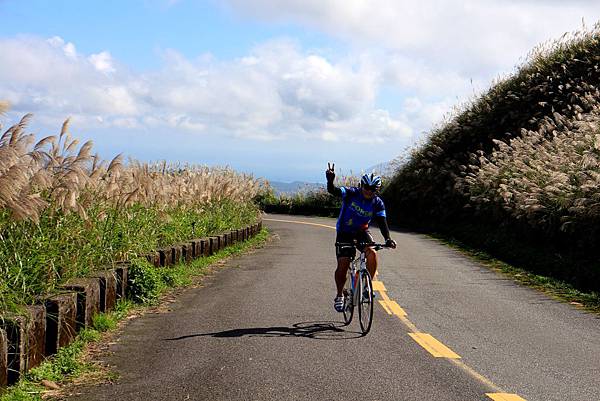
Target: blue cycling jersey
{"x":357,"y":211}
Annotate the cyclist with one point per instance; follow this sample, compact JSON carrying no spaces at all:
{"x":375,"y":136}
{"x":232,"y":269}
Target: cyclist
{"x":359,"y":206}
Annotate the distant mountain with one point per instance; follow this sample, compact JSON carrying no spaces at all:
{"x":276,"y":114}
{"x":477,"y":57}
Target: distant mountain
{"x":290,"y":188}
{"x":385,"y":169}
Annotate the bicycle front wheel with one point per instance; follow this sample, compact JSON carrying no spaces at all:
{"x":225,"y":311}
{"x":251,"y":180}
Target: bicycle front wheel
{"x":365,"y":303}
{"x":348,"y":300}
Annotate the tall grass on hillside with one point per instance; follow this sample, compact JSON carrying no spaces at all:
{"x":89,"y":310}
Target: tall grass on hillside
{"x":64,"y":211}
{"x":559,"y":78}
{"x":551,"y":182}
{"x":516,"y":170}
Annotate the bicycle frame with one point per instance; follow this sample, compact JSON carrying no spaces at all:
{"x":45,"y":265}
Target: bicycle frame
{"x":356,"y":266}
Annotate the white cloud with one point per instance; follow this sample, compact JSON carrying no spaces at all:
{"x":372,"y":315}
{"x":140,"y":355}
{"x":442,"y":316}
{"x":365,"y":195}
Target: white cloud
{"x":68,"y":48}
{"x":425,"y":79}
{"x":468,"y":36}
{"x":432,"y":53}
{"x":330,"y":136}
{"x":102,"y":62}
{"x":277,"y":91}
{"x":126,"y":123}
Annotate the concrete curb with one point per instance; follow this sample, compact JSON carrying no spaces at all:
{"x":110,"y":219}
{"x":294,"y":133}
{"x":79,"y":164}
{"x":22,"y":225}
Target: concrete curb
{"x":42,"y":329}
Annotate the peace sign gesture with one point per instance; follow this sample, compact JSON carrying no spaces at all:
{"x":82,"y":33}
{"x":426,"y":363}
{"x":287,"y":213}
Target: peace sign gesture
{"x":330,"y":173}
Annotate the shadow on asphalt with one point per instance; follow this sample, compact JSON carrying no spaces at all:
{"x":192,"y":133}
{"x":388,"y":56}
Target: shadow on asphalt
{"x":325,"y":330}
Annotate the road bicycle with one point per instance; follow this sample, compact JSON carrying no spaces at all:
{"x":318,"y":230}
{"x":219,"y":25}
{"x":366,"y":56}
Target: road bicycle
{"x":358,"y":289}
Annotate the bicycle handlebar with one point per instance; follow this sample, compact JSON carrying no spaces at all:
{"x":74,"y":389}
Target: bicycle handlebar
{"x":361,"y":245}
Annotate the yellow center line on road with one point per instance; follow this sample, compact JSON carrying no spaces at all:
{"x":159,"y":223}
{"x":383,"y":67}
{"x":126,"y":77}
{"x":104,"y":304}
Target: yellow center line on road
{"x":378,"y":285}
{"x":394,"y":308}
{"x":433,"y":346}
{"x":504,"y":397}
{"x":301,"y":222}
{"x":384,"y":306}
{"x":427,"y":341}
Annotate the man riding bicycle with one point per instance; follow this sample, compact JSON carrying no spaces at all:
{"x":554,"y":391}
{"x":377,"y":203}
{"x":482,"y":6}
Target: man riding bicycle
{"x":359,"y":206}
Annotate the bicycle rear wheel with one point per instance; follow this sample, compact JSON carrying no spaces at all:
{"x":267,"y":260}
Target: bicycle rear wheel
{"x":365,"y":303}
{"x":348,"y":297}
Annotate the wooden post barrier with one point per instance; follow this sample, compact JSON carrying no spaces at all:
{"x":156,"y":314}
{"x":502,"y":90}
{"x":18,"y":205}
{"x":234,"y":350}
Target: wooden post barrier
{"x":122,"y":275}
{"x":154,"y":258}
{"x":195,"y":248}
{"x":108,"y":289}
{"x":226,"y":241}
{"x":186,"y":252}
{"x":61,"y":325}
{"x":26,"y":335}
{"x":175,"y":255}
{"x":165,"y":258}
{"x":88,"y":299}
{"x":205,"y":246}
{"x":213,"y":245}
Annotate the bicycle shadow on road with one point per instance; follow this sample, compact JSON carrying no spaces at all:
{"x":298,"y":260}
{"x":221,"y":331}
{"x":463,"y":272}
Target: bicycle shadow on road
{"x":323,"y":330}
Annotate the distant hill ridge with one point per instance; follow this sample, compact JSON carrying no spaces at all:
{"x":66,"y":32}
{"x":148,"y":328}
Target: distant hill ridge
{"x":289,"y":188}
{"x":294,"y":187}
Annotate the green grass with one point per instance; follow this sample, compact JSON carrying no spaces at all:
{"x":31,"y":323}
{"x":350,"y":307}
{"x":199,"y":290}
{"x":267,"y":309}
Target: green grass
{"x":553,"y":287}
{"x":68,"y":363}
{"x":36,"y":258}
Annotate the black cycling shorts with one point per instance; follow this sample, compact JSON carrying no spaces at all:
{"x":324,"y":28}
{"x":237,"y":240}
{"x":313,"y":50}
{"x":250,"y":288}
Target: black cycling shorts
{"x":344,"y":237}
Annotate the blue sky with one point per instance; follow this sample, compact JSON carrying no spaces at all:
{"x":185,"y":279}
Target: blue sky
{"x":274,"y":88}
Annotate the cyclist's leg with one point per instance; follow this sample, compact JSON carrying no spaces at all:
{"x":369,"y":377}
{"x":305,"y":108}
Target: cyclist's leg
{"x":372,"y":261}
{"x":343,"y":261}
{"x":371,"y":254}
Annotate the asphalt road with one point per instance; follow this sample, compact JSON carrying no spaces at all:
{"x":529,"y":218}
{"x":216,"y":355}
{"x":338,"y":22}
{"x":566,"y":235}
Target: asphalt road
{"x":445,"y":328}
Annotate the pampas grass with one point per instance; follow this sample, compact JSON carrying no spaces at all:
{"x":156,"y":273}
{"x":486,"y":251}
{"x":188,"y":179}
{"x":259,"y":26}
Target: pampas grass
{"x":64,"y":211}
{"x":556,"y":87}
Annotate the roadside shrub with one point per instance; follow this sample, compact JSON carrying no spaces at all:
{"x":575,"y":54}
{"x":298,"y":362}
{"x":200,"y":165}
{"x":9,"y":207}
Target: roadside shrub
{"x":145,"y":281}
{"x":102,"y":322}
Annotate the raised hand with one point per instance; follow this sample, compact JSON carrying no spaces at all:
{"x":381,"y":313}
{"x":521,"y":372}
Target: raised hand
{"x":330,"y":173}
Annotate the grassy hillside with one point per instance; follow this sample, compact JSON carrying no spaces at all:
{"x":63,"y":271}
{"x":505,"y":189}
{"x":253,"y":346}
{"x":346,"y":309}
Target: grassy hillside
{"x":518,"y":170}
